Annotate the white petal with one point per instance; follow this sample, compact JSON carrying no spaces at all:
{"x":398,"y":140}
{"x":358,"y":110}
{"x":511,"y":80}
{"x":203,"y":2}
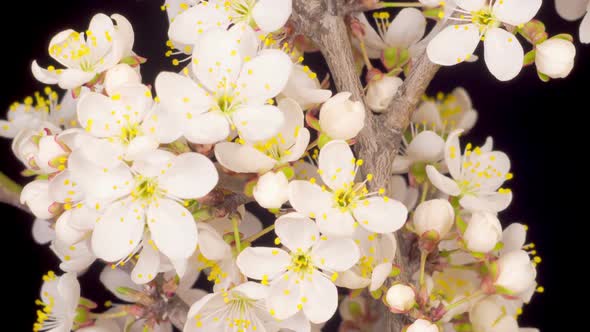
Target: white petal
{"x":402,"y":164}
{"x":180,"y":94}
{"x":191,"y":175}
{"x":571,"y":10}
{"x":206,"y":128}
{"x":428,"y":113}
{"x":65,"y":232}
{"x":36,"y":195}
{"x":173,"y":229}
{"x":515,"y":12}
{"x":427,"y":147}
{"x":163,"y":125}
{"x":374,"y":43}
{"x":211,"y":244}
{"x":309,"y":199}
{"x":300,"y":147}
{"x":284,"y":296}
{"x":406,"y":29}
{"x":336,"y":162}
{"x":190,"y":24}
{"x":335,"y":255}
{"x":271,"y":15}
{"x":493,"y":202}
{"x":216,"y":58}
{"x":115,"y":278}
{"x":294,"y":121}
{"x":321,"y":296}
{"x":336,"y":223}
{"x":42,"y":231}
{"x":441,"y":182}
{"x":242,"y":158}
{"x":73,"y":78}
{"x":99,"y":115}
{"x":252,"y":290}
{"x":256,"y":123}
{"x":585,"y":30}
{"x":454,"y":44}
{"x":381,"y":215}
{"x":69,"y":289}
{"x":513,"y":237}
{"x":379,"y":275}
{"x":141,"y":145}
{"x":147,"y":265}
{"x":152,"y":164}
{"x":43,"y":75}
{"x":118,"y":231}
{"x":503,"y":54}
{"x":296,"y":231}
{"x":453,"y":154}
{"x":264,"y":77}
{"x":470,"y":5}
{"x":352,"y":280}
{"x":262,"y":262}
{"x":305,"y":90}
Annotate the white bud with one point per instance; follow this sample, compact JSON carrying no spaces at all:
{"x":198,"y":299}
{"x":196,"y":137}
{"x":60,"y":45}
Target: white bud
{"x":555,"y":57}
{"x":36,"y":195}
{"x":488,"y":315}
{"x":119,"y":75}
{"x":422,"y":325}
{"x":380,"y":92}
{"x":483,"y":232}
{"x":271,"y":190}
{"x":516,"y":271}
{"x":341,"y":118}
{"x":401,"y":297}
{"x":434,"y":215}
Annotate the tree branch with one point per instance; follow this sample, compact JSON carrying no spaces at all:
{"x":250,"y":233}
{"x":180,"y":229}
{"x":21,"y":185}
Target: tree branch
{"x":10,"y":193}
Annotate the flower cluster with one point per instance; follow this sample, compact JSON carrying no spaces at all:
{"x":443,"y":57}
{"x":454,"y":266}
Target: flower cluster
{"x":152,"y":181}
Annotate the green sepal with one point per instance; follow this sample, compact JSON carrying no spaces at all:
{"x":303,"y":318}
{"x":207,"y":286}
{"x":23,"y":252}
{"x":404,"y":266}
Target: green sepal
{"x":529,"y":58}
{"x":249,"y":187}
{"x":202,"y":215}
{"x":433,"y":13}
{"x":395,"y":57}
{"x":288,"y":171}
{"x":499,"y":246}
{"x":461,"y":224}
{"x":323,"y":140}
{"x":395,"y":271}
{"x":133,"y":60}
{"x":86,"y":303}
{"x":503,"y":291}
{"x":564,"y":36}
{"x":534,"y":32}
{"x":377,"y":294}
{"x":354,"y":308}
{"x":543,"y":77}
{"x":312,"y":121}
{"x":28,"y":173}
{"x":418,"y":170}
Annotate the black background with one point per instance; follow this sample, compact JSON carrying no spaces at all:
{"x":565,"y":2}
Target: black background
{"x":542,"y":127}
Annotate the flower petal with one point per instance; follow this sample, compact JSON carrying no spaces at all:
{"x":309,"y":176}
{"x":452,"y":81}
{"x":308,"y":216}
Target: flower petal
{"x":515,"y":12}
{"x":337,"y":164}
{"x":264,"y":77}
{"x":173,"y":229}
{"x":336,"y":223}
{"x":73,"y":78}
{"x":43,"y":75}
{"x":262,"y":262}
{"x":190,"y":175}
{"x":503,"y":54}
{"x":454,"y":44}
{"x":493,"y":202}
{"x":335,"y":254}
{"x":256,"y":123}
{"x":381,"y":214}
{"x":180,"y":94}
{"x":284,"y":296}
{"x":296,"y":231}
{"x":470,"y":5}
{"x":216,"y":58}
{"x":206,"y":128}
{"x":147,"y":265}
{"x":571,"y":10}
{"x":441,"y":182}
{"x":189,"y":25}
{"x":116,"y":278}
{"x":271,"y":15}
{"x":453,"y":154}
{"x":513,"y":237}
{"x":585,"y":30}
{"x":242,"y":158}
{"x":379,"y":275}
{"x":321,"y":298}
{"x":42,"y":231}
{"x":211,"y":244}
{"x":427,"y":146}
{"x":406,"y":29}
{"x":309,"y":199}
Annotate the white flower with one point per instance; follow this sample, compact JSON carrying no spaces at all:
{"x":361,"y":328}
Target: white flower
{"x":296,"y":282}
{"x":146,"y":194}
{"x":86,"y":55}
{"x":241,"y":308}
{"x":288,"y":145}
{"x":424,"y":148}
{"x":477,"y":175}
{"x":304,"y":87}
{"x":422,"y":325}
{"x":380,"y":92}
{"x":43,"y":151}
{"x":266,"y":15}
{"x":342,"y":204}
{"x":121,"y":120}
{"x":489,"y":315}
{"x":120,"y":75}
{"x":59,"y":297}
{"x":36,"y":196}
{"x":435,"y":215}
{"x":516,"y":272}
{"x":400,"y":35}
{"x":572,"y":10}
{"x":401,"y":297}
{"x":232,"y":91}
{"x":402,"y":192}
{"x":483,"y":232}
{"x":271,"y":190}
{"x":447,"y":113}
{"x":375,"y":264}
{"x":555,"y":57}
{"x":503,"y":54}
{"x":341,"y":118}
{"x":456,"y":284}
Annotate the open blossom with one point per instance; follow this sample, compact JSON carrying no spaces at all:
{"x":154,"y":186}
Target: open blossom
{"x":86,"y":55}
{"x":296,"y":282}
{"x":288,"y":145}
{"x":59,"y":298}
{"x":145,"y":194}
{"x":490,"y":315}
{"x":446,"y":113}
{"x":503,"y":54}
{"x":341,"y":205}
{"x":120,"y":119}
{"x":375,"y":263}
{"x":188,"y":24}
{"x":477,"y":176}
{"x":572,"y":10}
{"x":233,"y":91}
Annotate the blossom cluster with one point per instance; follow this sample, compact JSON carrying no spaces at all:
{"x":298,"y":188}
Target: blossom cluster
{"x":146,"y":178}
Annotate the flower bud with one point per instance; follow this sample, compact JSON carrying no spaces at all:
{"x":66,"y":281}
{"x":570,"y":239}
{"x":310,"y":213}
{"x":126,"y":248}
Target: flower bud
{"x":119,"y":75}
{"x":271,"y":190}
{"x":422,"y":325}
{"x":555,"y":57}
{"x":381,"y":91}
{"x":401,"y":298}
{"x":516,"y":272}
{"x":36,"y":195}
{"x":489,"y":316}
{"x":341,"y":118}
{"x":483,"y":232}
{"x":435,"y":215}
